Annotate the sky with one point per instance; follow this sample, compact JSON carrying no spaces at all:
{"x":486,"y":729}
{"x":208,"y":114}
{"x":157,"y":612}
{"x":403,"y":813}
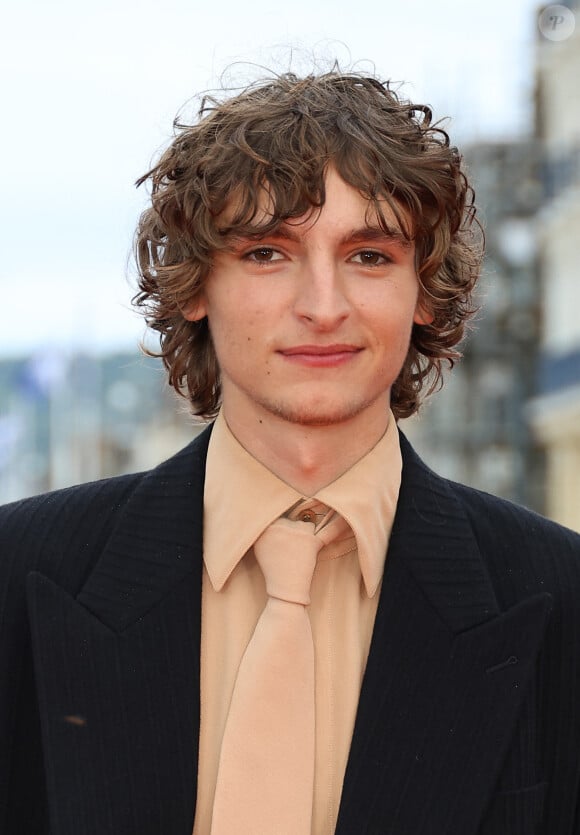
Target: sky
{"x":91,"y":91}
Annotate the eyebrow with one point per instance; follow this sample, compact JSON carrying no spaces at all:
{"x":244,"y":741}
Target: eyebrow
{"x":365,"y":234}
{"x":368,"y":234}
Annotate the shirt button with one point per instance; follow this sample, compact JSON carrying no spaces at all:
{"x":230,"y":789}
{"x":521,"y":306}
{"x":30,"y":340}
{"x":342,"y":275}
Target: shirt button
{"x":307,"y":516}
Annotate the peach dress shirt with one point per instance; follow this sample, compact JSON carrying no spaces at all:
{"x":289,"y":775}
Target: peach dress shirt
{"x":242,"y":497}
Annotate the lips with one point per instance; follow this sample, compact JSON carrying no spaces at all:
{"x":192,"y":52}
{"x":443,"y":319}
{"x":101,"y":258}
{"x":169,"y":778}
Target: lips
{"x":319,"y":350}
{"x":320,"y":356}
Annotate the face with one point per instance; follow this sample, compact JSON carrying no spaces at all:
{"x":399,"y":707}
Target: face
{"x":311,"y":324}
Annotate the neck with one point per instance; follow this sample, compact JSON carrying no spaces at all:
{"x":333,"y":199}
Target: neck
{"x":307,"y":457}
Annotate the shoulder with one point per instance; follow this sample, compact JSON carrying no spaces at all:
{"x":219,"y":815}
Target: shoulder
{"x":524,"y":552}
{"x":495,"y":521}
{"x":57,"y":531}
{"x":62,"y":533}
{"x":499,"y":520}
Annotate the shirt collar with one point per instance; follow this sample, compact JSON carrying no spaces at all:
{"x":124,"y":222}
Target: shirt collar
{"x":242,"y":497}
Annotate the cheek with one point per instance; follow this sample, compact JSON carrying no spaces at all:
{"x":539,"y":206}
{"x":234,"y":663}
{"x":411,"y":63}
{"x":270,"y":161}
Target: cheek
{"x":235,"y":331}
{"x":392,"y":321}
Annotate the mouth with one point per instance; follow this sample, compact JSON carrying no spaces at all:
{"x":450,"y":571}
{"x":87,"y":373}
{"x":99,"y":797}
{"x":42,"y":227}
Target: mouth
{"x":321,"y":355}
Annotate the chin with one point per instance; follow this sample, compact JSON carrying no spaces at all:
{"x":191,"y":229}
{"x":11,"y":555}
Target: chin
{"x":316,"y":414}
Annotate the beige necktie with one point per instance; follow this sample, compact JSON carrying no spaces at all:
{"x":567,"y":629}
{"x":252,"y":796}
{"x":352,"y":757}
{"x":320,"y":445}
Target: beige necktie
{"x":266,"y":770}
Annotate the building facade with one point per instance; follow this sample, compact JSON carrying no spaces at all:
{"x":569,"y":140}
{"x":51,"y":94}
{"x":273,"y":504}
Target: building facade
{"x":477,"y":431}
{"x":555,"y":412}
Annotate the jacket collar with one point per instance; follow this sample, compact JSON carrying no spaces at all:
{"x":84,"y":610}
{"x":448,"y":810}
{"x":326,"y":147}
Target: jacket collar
{"x":157,"y":543}
{"x":434,"y":538}
{"x":431,"y":534}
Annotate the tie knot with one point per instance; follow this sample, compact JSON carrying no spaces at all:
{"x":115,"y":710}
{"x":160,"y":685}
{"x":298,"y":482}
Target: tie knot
{"x":286,"y":552}
{"x":330,"y":527}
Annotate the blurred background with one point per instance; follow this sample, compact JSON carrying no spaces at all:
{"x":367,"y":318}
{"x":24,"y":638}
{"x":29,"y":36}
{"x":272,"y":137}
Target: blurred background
{"x":90,"y":93}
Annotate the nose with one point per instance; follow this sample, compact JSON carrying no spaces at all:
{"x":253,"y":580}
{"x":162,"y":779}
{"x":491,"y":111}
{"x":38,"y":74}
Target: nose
{"x":321,"y":299}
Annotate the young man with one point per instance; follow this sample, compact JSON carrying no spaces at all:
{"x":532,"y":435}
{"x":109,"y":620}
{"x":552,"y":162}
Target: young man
{"x":309,"y":263}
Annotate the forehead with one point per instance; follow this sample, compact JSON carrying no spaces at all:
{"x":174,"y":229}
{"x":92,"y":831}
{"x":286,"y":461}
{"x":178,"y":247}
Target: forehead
{"x":341,"y":205}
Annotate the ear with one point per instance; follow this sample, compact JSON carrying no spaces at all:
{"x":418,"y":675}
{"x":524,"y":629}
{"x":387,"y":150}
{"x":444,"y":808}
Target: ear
{"x":195,"y":311}
{"x":422,"y":315}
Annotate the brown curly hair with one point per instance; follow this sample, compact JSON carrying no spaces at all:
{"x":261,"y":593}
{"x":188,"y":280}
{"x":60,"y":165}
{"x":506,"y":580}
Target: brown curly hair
{"x":281,"y":134}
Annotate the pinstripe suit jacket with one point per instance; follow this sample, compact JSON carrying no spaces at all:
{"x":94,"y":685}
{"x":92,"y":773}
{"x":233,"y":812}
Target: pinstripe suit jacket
{"x":469,"y":714}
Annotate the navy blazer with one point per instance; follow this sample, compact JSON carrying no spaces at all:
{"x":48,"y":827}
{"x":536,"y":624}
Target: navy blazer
{"x":469,"y":714}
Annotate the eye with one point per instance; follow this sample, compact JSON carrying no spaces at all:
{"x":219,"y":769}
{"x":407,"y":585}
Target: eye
{"x":263,"y":255}
{"x":370,"y":258}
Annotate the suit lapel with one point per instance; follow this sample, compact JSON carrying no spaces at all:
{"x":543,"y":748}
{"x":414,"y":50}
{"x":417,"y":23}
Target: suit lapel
{"x":118,"y":667}
{"x":445,"y":676}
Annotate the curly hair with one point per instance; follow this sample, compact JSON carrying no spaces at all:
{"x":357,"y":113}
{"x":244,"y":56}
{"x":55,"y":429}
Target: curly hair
{"x":281,"y":134}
